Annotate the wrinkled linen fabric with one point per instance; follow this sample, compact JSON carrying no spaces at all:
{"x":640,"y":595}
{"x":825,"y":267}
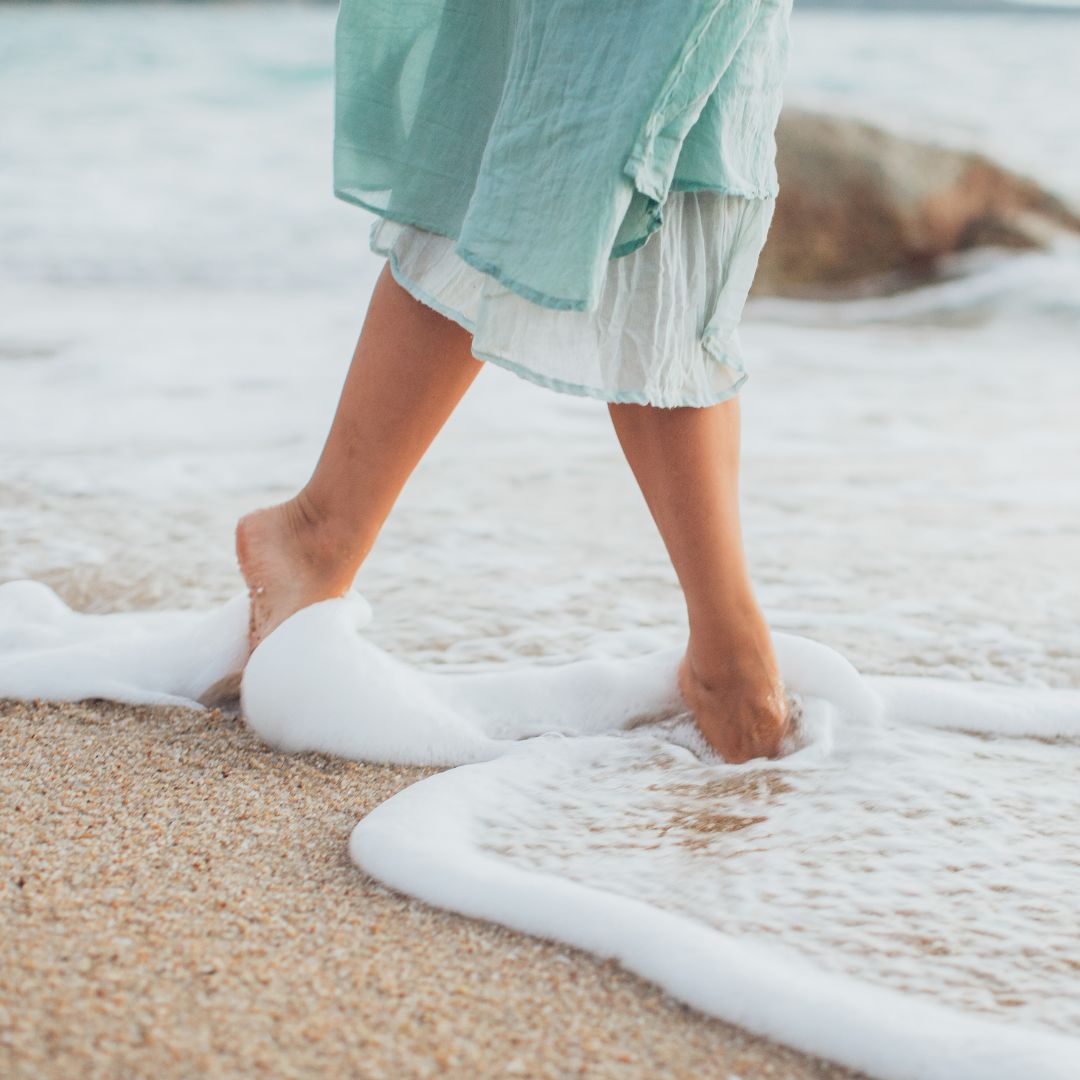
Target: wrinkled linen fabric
{"x":545,"y":137}
{"x":646,"y":342}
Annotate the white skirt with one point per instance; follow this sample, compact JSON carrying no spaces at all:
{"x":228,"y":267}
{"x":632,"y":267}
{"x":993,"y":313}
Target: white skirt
{"x":664,"y":332}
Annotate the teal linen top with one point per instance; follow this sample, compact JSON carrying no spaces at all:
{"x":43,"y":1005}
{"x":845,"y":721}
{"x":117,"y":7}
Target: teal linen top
{"x":544,"y":135}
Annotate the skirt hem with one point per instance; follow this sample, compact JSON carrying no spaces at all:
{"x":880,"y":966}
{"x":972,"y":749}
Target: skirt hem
{"x":495,"y":271}
{"x":616,"y":397}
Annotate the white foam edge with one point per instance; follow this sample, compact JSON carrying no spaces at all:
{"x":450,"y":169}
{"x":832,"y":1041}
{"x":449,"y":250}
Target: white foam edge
{"x":984,"y":707}
{"x":315,"y":684}
{"x":418,"y":843}
{"x":50,"y":651}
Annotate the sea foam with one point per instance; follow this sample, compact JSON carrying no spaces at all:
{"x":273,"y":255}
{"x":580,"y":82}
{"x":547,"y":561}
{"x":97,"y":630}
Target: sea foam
{"x":896,"y":892}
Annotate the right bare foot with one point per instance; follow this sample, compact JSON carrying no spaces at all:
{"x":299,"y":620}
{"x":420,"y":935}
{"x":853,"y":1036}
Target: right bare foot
{"x":287,"y":564}
{"x":742,"y":716}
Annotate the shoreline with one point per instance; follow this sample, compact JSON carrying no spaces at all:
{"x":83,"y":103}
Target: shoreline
{"x":185,"y":901}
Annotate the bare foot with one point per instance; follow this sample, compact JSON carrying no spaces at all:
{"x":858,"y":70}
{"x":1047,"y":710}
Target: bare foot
{"x":742,"y":717}
{"x":287,"y":565}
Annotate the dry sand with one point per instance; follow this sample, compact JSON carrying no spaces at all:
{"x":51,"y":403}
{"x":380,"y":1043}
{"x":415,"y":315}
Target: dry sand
{"x":178,"y":901}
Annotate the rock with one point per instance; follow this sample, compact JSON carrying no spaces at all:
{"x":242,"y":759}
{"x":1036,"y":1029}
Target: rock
{"x":862,"y":210}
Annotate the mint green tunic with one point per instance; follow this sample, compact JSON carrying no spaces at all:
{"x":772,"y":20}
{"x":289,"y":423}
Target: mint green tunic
{"x":545,"y":135}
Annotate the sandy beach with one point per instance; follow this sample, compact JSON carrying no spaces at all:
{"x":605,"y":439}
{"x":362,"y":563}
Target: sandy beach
{"x":183,"y":904}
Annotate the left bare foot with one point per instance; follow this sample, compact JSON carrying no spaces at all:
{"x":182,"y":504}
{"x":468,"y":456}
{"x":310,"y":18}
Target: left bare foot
{"x":287,"y":565}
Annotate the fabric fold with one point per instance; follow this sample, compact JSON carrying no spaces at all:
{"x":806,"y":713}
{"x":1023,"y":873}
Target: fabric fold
{"x":543,"y":136}
{"x":717,"y":36}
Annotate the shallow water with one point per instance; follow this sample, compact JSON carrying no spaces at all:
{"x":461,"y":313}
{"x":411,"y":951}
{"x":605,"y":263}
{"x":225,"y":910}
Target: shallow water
{"x":929,"y":862}
{"x":171,"y":349}
{"x":996,"y":83}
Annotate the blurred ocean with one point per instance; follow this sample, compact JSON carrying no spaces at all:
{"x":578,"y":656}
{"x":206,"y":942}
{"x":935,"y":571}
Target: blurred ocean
{"x":191,"y":143}
{"x":175,"y":159}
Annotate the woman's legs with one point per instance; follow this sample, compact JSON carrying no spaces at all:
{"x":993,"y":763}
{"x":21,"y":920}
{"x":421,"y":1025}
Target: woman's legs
{"x":410,"y":368}
{"x":686,"y":461}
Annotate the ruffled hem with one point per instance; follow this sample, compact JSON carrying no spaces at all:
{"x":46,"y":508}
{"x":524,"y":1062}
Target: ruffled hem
{"x":664,"y":332}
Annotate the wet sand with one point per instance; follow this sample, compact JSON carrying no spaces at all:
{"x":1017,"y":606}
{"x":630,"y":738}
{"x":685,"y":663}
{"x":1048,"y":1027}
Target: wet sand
{"x":178,"y":901}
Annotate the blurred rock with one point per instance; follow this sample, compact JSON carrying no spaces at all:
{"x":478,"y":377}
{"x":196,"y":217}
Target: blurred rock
{"x":865,"y":211}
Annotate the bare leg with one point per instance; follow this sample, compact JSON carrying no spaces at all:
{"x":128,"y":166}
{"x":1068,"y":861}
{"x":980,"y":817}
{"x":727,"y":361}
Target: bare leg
{"x":410,"y":368}
{"x":686,"y":461}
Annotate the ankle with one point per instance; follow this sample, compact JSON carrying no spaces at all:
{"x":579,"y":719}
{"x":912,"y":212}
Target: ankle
{"x":719,"y":662}
{"x":326,"y":549}
{"x":724,"y":676}
{"x":308,"y":521}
